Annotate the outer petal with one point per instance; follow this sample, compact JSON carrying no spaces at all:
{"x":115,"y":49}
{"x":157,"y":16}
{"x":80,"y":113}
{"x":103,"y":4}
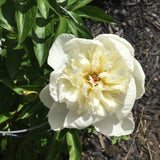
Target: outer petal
{"x":112,"y":126}
{"x":115,"y":42}
{"x":139,"y":78}
{"x":122,"y":40}
{"x":53,"y":85}
{"x":57,"y":57}
{"x":57,"y":116}
{"x":127,"y":106}
{"x":78,"y":121}
{"x":45,"y":97}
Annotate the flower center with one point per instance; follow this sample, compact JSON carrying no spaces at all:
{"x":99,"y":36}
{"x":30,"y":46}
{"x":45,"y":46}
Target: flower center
{"x":93,"y":79}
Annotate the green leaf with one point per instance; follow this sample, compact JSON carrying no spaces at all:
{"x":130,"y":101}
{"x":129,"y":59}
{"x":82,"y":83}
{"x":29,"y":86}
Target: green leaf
{"x":75,"y":4}
{"x":126,"y":138}
{"x":94,"y":13}
{"x":56,"y":147}
{"x":25,"y":17}
{"x":78,"y":18}
{"x":114,"y":140}
{"x":43,"y":8}
{"x":30,"y":110}
{"x":52,"y":4}
{"x":14,"y":56}
{"x":2,"y":2}
{"x":6,"y":116}
{"x":74,"y":145}
{"x":60,"y":1}
{"x":62,"y":27}
{"x":78,"y":30}
{"x":7,"y":12}
{"x":7,"y":98}
{"x":42,"y":38}
{"x":4,"y":143}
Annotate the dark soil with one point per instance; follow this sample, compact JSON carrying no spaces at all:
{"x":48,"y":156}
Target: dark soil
{"x":138,"y":21}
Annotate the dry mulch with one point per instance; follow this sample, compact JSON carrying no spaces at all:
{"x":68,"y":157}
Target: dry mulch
{"x":138,"y":21}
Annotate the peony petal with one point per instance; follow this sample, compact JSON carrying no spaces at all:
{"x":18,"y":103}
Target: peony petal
{"x":78,"y":120}
{"x":139,"y":78}
{"x":57,"y":116}
{"x":78,"y":47}
{"x":57,"y":57}
{"x":45,"y":97}
{"x":122,"y":40}
{"x":116,"y":45}
{"x":112,"y":126}
{"x":53,"y":85}
{"x":67,"y":92}
{"x":127,"y":106}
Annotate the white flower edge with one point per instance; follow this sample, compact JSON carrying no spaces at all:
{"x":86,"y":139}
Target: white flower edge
{"x":139,"y":77}
{"x":57,"y":57}
{"x":112,"y":126}
{"x":129,"y":101}
{"x":59,"y":118}
{"x":45,"y":97}
{"x":119,"y":39}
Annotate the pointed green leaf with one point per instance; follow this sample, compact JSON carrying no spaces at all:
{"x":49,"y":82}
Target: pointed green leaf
{"x":43,"y":8}
{"x":74,"y":145}
{"x":14,"y":56}
{"x":78,"y":30}
{"x":74,"y":4}
{"x":6,"y":116}
{"x":62,"y":27}
{"x":114,"y":140}
{"x":2,"y":2}
{"x":42,"y":38}
{"x":30,"y":110}
{"x":52,"y":4}
{"x":56,"y":147}
{"x":126,"y":138}
{"x":78,"y":18}
{"x":94,"y":13}
{"x":25,"y":17}
{"x":7,"y":13}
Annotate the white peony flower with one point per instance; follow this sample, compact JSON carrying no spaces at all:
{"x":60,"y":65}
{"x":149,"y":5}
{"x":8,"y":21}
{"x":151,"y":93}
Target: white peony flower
{"x":94,"y":82}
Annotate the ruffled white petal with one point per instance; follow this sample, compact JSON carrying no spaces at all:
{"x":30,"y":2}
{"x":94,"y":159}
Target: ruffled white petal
{"x":57,"y":57}
{"x":112,"y":126}
{"x":116,"y":45}
{"x":46,"y":98}
{"x":139,"y":78}
{"x":73,"y":120}
{"x":122,"y":40}
{"x":127,"y":106}
{"x":57,"y":116}
{"x":78,"y":48}
{"x":54,"y":83}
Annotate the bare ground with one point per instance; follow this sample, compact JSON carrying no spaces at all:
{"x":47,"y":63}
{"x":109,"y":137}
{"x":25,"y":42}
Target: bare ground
{"x":138,"y":21}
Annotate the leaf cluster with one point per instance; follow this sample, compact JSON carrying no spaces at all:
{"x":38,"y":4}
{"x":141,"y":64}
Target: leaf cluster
{"x":28,"y":28}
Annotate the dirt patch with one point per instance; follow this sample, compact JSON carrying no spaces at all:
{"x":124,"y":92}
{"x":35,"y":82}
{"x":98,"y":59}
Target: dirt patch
{"x":138,"y":21}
